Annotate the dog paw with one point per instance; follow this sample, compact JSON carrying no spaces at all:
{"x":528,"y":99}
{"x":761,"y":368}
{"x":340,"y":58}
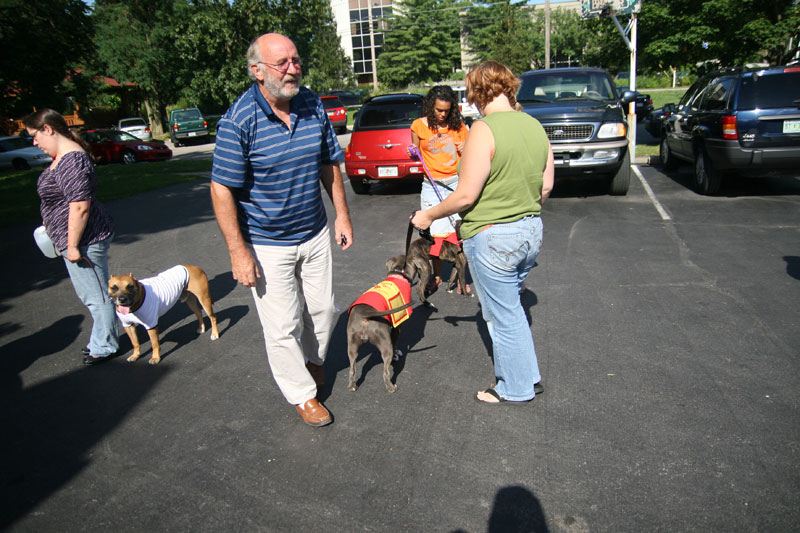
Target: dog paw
{"x":200,"y":331}
{"x":154,"y":361}
{"x":352,"y":388}
{"x":214,"y":336}
{"x":132,"y":358}
{"x":391,"y":388}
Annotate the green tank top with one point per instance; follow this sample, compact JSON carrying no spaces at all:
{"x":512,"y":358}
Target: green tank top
{"x":514,"y":187}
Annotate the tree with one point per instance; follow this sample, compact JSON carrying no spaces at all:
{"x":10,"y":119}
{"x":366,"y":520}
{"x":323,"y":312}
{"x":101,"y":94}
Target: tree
{"x":41,"y":43}
{"x":733,"y":32}
{"x":135,"y":42}
{"x":215,"y":37}
{"x":568,"y":37}
{"x":503,"y":32}
{"x":421,"y":44}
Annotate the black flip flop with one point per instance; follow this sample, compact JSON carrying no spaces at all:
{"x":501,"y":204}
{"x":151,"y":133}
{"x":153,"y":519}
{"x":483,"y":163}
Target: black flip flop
{"x":500,"y":400}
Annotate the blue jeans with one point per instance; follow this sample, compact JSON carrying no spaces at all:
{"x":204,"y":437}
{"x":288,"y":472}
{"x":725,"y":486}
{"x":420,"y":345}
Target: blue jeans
{"x":500,"y":258}
{"x":91,"y":286}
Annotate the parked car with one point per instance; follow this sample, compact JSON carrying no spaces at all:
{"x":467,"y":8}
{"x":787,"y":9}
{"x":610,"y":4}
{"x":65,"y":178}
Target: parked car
{"x":336,"y":113}
{"x":187,"y":123}
{"x":644,"y":104}
{"x":378,"y":148}
{"x":114,"y":146}
{"x":136,"y":126}
{"x":469,"y":112}
{"x":655,"y":121}
{"x":20,"y":154}
{"x":742,"y":120}
{"x":584,"y":118}
{"x":348,"y":98}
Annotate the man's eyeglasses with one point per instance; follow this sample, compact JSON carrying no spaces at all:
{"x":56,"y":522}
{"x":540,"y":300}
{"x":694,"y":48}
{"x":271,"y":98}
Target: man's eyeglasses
{"x":283,"y":66}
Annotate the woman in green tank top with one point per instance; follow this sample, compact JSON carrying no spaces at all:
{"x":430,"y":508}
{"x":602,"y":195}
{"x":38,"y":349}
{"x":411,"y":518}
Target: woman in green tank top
{"x":505,"y":175}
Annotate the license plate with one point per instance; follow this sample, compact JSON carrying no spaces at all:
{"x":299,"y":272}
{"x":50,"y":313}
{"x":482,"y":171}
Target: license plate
{"x":387,"y":172}
{"x":192,"y":133}
{"x":791,"y":126}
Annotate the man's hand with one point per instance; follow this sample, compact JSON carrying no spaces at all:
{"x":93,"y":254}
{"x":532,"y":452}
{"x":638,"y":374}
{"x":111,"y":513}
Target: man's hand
{"x":343,"y":232}
{"x":244,"y":268}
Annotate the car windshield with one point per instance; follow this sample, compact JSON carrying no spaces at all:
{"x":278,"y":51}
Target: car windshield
{"x":376,"y":115}
{"x":130,"y":122}
{"x":187,"y":114}
{"x":14,"y":143}
{"x":330,"y":103}
{"x":121,"y":136}
{"x":771,"y":90}
{"x":547,"y":87}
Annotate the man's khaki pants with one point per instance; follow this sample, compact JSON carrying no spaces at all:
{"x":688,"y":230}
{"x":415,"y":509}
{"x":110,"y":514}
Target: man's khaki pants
{"x":294,"y":298}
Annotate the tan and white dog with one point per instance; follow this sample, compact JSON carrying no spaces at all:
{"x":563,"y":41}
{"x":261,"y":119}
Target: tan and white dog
{"x":144,"y":302}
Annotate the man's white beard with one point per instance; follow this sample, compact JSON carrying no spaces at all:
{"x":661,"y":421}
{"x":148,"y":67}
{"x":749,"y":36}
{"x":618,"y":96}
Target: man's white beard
{"x":280,"y":91}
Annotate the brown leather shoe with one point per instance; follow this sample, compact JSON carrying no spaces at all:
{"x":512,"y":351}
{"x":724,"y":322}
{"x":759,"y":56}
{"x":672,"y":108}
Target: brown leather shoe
{"x":317,"y":373}
{"x":314,"y":413}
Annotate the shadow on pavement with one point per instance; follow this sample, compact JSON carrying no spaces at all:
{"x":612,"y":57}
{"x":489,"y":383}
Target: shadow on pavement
{"x":50,"y":427}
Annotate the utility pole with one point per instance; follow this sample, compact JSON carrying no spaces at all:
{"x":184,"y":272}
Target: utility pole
{"x":547,"y":34}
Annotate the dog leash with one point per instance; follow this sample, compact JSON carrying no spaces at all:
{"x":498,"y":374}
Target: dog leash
{"x":94,"y":270}
{"x":415,"y":154}
{"x":424,"y":233}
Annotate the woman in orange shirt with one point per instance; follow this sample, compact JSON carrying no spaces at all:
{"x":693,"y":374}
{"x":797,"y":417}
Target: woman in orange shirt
{"x":440,"y":137}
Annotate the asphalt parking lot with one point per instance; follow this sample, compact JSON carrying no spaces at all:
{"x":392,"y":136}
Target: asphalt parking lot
{"x":666,"y":325}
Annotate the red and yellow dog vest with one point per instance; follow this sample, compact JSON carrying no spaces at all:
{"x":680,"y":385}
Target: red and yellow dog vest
{"x":394,"y":291}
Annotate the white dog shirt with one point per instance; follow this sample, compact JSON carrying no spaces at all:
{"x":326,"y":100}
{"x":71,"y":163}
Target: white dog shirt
{"x":161,"y":293}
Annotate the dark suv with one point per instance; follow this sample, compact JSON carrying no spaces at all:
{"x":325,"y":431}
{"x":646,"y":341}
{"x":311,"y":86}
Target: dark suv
{"x":584,"y":118}
{"x":736,"y":120}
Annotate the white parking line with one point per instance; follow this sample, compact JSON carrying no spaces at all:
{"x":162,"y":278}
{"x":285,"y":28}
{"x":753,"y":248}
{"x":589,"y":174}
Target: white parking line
{"x":656,"y":203}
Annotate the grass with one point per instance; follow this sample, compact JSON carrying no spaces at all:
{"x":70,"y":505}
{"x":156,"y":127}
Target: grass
{"x":659,"y":97}
{"x":19,"y":201}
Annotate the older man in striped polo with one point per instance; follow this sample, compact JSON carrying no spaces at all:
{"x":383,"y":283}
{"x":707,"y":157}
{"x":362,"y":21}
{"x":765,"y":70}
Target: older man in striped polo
{"x":275,"y":151}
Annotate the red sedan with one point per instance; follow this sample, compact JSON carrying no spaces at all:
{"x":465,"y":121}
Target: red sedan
{"x":336,"y":113}
{"x":114,"y":146}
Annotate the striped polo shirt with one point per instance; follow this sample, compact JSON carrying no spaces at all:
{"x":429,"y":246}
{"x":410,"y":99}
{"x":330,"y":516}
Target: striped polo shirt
{"x":273,"y":169}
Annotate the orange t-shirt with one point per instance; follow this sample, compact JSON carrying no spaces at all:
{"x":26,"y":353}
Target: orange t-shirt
{"x":439,"y":149}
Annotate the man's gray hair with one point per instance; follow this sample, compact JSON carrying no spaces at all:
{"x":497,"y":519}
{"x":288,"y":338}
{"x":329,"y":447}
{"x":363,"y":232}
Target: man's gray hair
{"x":253,"y":57}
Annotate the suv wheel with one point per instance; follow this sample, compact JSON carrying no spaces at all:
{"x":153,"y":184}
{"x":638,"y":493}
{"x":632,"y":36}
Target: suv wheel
{"x":622,"y":178}
{"x":706,"y":179}
{"x":667,"y":159}
{"x":359,"y":186}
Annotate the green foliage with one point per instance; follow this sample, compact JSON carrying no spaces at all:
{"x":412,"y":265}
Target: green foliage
{"x":136,"y":43}
{"x":568,"y":36}
{"x":422,"y":44}
{"x":503,"y":32}
{"x":214,"y":37}
{"x":40,"y":42}
{"x":735,"y":32}
{"x":19,"y":201}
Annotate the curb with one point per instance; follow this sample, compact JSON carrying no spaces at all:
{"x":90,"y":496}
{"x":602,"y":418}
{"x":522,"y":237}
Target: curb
{"x":647,"y":160}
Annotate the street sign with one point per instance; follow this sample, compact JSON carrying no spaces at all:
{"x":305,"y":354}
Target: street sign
{"x":602,"y":8}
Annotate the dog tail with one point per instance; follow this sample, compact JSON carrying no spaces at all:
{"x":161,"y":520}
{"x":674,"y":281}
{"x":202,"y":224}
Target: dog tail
{"x":375,"y":312}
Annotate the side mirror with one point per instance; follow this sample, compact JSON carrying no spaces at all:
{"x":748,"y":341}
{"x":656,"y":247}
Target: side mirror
{"x":628,"y":97}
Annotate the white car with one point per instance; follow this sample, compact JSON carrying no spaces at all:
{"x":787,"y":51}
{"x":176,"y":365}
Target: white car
{"x":20,"y":154}
{"x":468,"y":111}
{"x":136,"y":126}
